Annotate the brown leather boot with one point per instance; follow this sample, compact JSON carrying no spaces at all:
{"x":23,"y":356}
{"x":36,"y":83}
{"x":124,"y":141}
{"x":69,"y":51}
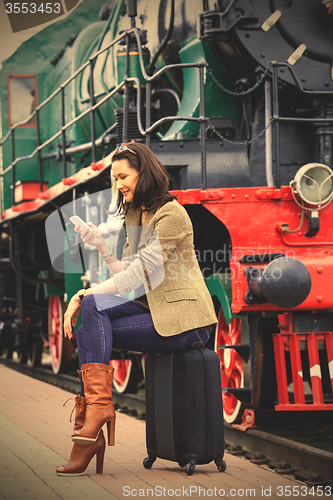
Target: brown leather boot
{"x":97,"y":380}
{"x":81,"y":455}
{"x":80,"y":412}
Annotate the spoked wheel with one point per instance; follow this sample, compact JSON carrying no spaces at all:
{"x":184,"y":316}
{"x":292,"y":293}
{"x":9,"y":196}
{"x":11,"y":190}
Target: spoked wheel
{"x":232,"y":374}
{"x":232,"y":369}
{"x":60,"y":346}
{"x":125,"y":378}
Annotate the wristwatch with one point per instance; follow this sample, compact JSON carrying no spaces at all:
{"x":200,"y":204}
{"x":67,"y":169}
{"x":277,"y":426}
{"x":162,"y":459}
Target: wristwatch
{"x":107,"y":255}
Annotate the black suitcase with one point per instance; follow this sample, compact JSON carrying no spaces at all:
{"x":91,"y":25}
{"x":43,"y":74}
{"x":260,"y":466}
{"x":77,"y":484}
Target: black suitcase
{"x":184,"y":418}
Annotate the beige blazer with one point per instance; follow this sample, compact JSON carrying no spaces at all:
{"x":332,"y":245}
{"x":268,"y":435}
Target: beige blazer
{"x":160,"y":255}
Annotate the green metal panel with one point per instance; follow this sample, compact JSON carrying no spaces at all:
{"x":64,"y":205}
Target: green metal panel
{"x":25,"y":141}
{"x":219,"y":285}
{"x":104,"y":116}
{"x":104,"y":76}
{"x":217,"y":102}
{"x":134,"y":65}
{"x":34,"y":58}
{"x":51,"y":289}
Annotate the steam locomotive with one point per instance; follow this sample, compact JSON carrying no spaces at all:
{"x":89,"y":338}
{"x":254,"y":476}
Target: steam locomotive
{"x":236,"y":99}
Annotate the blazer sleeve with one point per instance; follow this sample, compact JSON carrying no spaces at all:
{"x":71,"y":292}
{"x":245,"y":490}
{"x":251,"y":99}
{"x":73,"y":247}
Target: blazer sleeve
{"x":170,"y":226}
{"x":126,"y":257}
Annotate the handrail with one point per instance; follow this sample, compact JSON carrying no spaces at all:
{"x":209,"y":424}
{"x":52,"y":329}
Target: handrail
{"x":84,"y":113}
{"x":276,"y":118}
{"x":146,"y":132}
{"x":92,"y":107}
{"x":297,"y":82}
{"x":64,"y":128}
{"x":63,"y":85}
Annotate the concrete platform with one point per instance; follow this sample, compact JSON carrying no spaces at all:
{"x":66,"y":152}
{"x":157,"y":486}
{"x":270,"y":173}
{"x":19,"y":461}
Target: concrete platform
{"x":35,"y":438}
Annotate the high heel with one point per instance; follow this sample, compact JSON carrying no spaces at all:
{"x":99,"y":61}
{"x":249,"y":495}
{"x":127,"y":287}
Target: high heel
{"x":81,"y":455}
{"x":99,"y":459}
{"x":97,"y":380}
{"x":111,"y":426}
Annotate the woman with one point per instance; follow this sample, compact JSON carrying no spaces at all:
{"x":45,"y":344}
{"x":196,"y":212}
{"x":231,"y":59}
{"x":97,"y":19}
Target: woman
{"x":172,"y":310}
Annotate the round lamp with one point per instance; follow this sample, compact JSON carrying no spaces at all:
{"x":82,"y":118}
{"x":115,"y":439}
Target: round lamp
{"x":314,"y":184}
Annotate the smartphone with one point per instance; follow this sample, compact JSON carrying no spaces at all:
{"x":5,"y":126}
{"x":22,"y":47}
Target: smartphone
{"x":77,"y":221}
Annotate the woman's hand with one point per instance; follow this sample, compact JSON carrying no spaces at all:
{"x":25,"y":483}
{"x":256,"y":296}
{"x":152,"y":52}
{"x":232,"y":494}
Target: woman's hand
{"x":71,"y":315}
{"x":92,"y":236}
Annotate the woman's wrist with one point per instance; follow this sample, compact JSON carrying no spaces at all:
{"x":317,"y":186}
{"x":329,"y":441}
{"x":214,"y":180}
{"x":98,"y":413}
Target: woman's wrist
{"x":82,"y":293}
{"x":103,"y":248}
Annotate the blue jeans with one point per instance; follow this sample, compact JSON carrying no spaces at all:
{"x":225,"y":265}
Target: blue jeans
{"x":109,"y":321}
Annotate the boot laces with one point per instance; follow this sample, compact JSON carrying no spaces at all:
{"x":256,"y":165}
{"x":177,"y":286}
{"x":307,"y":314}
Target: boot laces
{"x":76,"y":405}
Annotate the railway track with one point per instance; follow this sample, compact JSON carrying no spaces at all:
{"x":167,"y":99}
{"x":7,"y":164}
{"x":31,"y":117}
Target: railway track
{"x":296,"y":460}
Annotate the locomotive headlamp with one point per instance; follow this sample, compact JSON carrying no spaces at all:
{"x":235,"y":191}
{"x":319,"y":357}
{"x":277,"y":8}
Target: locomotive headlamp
{"x":314,"y":184}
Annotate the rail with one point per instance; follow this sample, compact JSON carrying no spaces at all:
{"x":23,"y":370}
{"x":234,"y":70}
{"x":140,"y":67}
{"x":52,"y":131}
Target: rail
{"x":265,"y":446}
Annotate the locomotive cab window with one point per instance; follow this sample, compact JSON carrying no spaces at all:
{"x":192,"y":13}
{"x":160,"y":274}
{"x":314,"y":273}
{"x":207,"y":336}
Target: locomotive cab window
{"x":22,"y":99}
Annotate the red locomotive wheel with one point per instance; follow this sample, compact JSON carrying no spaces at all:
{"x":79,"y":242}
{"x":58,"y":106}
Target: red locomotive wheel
{"x":125,"y":376}
{"x":60,"y":346}
{"x":121,"y":374}
{"x":232,"y":375}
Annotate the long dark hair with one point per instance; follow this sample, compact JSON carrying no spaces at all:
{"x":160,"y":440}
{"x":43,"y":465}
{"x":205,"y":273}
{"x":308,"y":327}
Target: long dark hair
{"x":152,"y":185}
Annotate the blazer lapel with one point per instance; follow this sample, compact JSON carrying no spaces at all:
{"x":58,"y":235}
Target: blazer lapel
{"x":133,"y":228}
{"x":147,"y":231}
{"x":149,"y":217}
{"x":138,"y":235}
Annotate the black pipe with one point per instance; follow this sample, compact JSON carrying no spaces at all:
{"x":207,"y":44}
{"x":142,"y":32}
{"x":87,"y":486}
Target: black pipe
{"x":276,"y":127}
{"x":131,"y":11}
{"x":148,"y":113}
{"x":131,"y":8}
{"x":13,"y":167}
{"x":202,"y":129}
{"x":92,"y":115}
{"x":165,"y":41}
{"x":324,"y":133}
{"x":126,"y":91}
{"x":39,"y":153}
{"x":63,"y":133}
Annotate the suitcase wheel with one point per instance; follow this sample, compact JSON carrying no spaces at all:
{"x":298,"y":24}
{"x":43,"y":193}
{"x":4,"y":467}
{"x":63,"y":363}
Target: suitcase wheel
{"x":182,"y":464}
{"x":221,"y":465}
{"x":148,"y":462}
{"x":190,"y":468}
